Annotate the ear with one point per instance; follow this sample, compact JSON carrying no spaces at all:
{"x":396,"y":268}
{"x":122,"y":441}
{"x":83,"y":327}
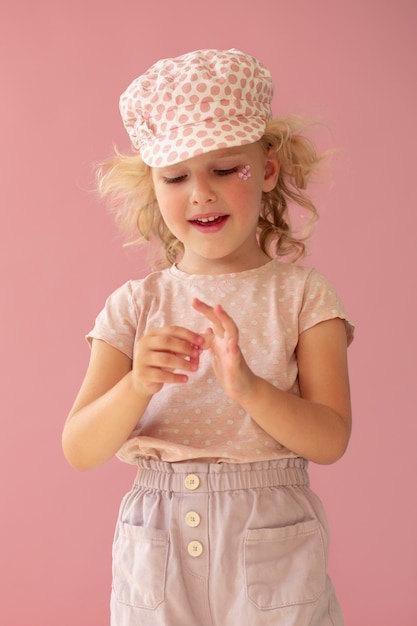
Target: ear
{"x":271,"y":172}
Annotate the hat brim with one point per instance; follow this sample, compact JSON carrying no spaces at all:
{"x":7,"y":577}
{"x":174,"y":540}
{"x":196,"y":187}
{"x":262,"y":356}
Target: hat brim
{"x":186,"y":142}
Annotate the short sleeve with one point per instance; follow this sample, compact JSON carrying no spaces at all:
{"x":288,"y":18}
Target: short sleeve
{"x":117,"y":323}
{"x":320,"y":303}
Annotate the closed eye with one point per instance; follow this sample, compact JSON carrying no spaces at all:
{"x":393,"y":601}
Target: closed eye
{"x":176,"y":179}
{"x":180,"y":179}
{"x":226,"y":172}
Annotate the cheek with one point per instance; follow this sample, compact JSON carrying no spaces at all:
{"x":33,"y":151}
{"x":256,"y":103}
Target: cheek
{"x":165,"y":203}
{"x":170,"y":215}
{"x":166,"y":215}
{"x":248,"y":196}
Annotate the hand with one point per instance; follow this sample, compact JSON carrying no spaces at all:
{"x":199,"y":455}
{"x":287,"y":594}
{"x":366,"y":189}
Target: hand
{"x":222,"y":339}
{"x":162,"y":351}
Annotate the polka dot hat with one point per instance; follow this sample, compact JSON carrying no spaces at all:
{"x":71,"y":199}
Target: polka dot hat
{"x":198,"y":102}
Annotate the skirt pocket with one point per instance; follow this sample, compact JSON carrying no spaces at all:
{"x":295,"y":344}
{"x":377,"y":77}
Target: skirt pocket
{"x":139,"y":565}
{"x":285,"y":566}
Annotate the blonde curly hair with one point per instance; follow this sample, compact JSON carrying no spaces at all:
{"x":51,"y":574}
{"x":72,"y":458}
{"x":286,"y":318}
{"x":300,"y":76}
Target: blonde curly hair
{"x":125,"y":180}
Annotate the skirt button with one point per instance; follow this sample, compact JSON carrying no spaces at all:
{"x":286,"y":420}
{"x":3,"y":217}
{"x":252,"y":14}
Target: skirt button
{"x":192,"y":519}
{"x":192,"y":482}
{"x":195,"y":548}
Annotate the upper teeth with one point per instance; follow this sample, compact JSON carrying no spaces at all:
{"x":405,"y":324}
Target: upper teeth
{"x":208,"y":219}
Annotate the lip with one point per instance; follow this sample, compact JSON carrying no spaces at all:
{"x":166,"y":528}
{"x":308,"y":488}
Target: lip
{"x":209,"y":222}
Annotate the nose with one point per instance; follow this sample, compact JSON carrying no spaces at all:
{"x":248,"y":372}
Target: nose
{"x":202,"y":192}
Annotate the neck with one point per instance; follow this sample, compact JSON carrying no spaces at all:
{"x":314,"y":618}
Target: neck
{"x":221,"y":266}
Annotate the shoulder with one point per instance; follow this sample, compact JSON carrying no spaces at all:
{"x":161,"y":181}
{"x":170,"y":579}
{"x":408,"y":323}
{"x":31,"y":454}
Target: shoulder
{"x":306,"y":280}
{"x":293,"y":280}
{"x":313,"y":295}
{"x":321,"y":302}
{"x":118,"y":321}
{"x":290,"y":270}
{"x":136,"y":290}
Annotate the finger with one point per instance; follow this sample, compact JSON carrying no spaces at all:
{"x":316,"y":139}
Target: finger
{"x":163,"y":342}
{"x":161,"y":368}
{"x":170,"y":361}
{"x":208,"y":336}
{"x":210,"y":314}
{"x":179,"y":332}
{"x":166,"y":376}
{"x":226,"y":321}
{"x":222,"y":322}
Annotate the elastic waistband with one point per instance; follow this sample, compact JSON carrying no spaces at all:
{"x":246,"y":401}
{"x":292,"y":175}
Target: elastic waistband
{"x":184,"y":477}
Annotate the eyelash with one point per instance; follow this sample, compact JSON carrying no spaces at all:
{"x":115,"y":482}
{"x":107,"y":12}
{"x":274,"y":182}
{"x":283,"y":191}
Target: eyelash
{"x":232,"y":170}
{"x":177,"y":179}
{"x":180,"y":179}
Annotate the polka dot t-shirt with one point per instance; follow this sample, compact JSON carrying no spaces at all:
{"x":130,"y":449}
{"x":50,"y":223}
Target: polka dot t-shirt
{"x":271,"y":306}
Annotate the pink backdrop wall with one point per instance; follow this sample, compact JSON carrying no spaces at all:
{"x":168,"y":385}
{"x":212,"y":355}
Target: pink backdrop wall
{"x":63,"y":67}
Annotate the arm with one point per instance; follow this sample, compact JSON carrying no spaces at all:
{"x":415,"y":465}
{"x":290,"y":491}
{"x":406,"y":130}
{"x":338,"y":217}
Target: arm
{"x":316,"y":425}
{"x":116,"y":391}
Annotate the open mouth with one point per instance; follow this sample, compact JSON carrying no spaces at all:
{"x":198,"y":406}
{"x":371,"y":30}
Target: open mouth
{"x":210,"y":221}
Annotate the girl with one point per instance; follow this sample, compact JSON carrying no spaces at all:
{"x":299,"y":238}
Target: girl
{"x":223,"y":374}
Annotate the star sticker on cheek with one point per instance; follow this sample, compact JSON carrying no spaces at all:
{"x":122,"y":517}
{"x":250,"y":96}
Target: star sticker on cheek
{"x":244,"y":173}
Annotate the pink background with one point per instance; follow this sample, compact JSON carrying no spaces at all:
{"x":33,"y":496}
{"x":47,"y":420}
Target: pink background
{"x":64,"y":64}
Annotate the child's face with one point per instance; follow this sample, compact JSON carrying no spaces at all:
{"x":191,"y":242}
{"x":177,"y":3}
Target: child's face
{"x":212,"y":210}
